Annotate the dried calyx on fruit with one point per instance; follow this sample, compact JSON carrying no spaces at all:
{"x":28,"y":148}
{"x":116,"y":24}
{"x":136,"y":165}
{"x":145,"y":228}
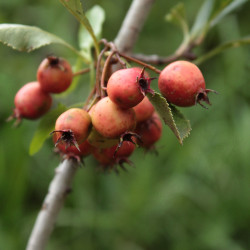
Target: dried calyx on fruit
{"x":82,"y":150}
{"x":183,"y":84}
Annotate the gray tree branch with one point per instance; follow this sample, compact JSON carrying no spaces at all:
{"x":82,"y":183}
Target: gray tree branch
{"x":60,"y":185}
{"x":132,"y":25}
{"x":53,"y":202}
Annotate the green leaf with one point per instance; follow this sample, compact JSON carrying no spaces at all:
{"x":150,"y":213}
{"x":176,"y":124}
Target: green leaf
{"x":202,"y":18}
{"x":28,"y":38}
{"x":45,"y":127}
{"x":75,"y":8}
{"x":221,"y":48}
{"x":96,"y":17}
{"x":177,"y":16}
{"x":171,"y":116}
{"x":182,"y":124}
{"x":225,"y":11}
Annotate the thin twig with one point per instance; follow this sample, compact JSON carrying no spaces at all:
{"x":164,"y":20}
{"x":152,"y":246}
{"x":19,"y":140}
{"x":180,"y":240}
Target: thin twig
{"x":98,"y":66}
{"x":141,"y":63}
{"x":105,"y":68}
{"x":155,"y":59}
{"x":81,"y":72}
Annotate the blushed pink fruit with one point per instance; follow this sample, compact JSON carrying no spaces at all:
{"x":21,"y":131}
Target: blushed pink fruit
{"x":73,"y":127}
{"x":111,"y":156}
{"x":31,"y":102}
{"x":54,"y":74}
{"x":150,"y":131}
{"x":143,"y":110}
{"x":183,"y":84}
{"x":127,"y":87}
{"x":110,"y":120}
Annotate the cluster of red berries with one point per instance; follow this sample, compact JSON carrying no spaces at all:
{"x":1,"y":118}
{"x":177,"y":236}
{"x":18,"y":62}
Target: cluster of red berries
{"x":115,"y":124}
{"x":120,"y":119}
{"x":54,"y":75}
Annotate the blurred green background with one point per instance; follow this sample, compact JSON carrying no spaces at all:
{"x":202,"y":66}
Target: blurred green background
{"x":194,"y":196}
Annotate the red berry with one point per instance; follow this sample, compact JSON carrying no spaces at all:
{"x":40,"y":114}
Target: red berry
{"x":110,"y":120}
{"x":125,"y":150}
{"x":73,"y":127}
{"x":143,"y":110}
{"x":183,"y":84}
{"x":127,"y":87}
{"x":54,"y":74}
{"x":111,"y":156}
{"x":102,"y":158}
{"x":150,"y":131}
{"x":31,"y":102}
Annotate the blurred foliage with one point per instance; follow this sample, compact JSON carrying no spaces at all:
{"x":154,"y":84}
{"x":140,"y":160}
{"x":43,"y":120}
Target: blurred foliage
{"x":194,"y":196}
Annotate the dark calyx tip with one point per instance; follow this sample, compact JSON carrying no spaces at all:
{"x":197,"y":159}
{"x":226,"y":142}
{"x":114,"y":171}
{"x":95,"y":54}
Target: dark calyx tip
{"x":53,"y":60}
{"x":144,"y":83}
{"x":127,"y":136}
{"x":203,"y":97}
{"x":67,"y":137}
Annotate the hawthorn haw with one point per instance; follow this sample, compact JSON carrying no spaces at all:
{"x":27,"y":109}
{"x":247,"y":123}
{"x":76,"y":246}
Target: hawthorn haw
{"x":150,"y":131}
{"x":111,"y":156}
{"x":110,"y":120}
{"x":143,"y":110}
{"x":31,"y":102}
{"x":72,"y":127}
{"x":183,"y":84}
{"x":127,"y":87}
{"x":54,"y":74}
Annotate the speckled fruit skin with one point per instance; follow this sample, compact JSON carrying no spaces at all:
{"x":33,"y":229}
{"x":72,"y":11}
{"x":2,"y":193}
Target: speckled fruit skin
{"x":31,"y":102}
{"x":150,"y":131}
{"x":77,"y":120}
{"x":85,"y":148}
{"x":180,"y":82}
{"x":110,"y":120}
{"x":126,"y":149}
{"x":54,"y":74}
{"x":106,"y":156}
{"x":143,"y":110}
{"x":123,"y":88}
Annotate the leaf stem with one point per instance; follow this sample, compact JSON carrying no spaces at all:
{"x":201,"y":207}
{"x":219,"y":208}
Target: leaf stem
{"x":221,"y":48}
{"x":81,"y":72}
{"x":98,"y":66}
{"x":105,"y":69}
